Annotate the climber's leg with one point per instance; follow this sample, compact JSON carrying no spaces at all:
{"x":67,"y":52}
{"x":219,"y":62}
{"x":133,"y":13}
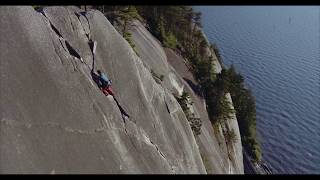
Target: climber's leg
{"x":109,"y":90}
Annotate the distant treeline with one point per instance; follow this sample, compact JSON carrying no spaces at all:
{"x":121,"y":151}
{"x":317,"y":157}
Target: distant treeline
{"x":179,"y":28}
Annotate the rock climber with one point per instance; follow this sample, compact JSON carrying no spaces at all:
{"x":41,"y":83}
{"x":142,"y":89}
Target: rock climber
{"x":105,"y":83}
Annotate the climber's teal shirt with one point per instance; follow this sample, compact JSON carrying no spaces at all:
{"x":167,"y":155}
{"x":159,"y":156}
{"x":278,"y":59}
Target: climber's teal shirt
{"x":105,"y":79}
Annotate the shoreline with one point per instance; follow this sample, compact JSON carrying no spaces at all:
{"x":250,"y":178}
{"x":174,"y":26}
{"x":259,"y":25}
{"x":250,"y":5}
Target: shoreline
{"x":254,"y":168}
{"x":248,"y":166}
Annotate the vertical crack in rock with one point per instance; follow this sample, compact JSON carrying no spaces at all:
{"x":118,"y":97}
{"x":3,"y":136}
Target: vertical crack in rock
{"x":167,"y":107}
{"x":72,"y":26}
{"x":58,"y":34}
{"x":84,"y":15}
{"x":170,"y":111}
{"x":55,"y":29}
{"x":159,"y":151}
{"x":70,"y":49}
{"x":88,"y":35}
{"x":122,"y":111}
{"x":126,"y":129}
{"x":84,"y":29}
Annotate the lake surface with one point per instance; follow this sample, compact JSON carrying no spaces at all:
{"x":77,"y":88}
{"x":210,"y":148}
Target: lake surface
{"x":277,"y":50}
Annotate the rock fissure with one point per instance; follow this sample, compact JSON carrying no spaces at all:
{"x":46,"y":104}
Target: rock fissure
{"x":84,"y":15}
{"x":72,"y":26}
{"x":123,"y":113}
{"x":75,"y":54}
{"x":14,"y":123}
{"x":161,"y":154}
{"x":81,"y":112}
{"x":148,"y":141}
{"x":70,"y":49}
{"x":88,"y":35}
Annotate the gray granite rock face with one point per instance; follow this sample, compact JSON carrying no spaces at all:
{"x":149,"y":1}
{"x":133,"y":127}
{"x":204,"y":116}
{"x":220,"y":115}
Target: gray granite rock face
{"x":178,"y":78}
{"x":53,"y":117}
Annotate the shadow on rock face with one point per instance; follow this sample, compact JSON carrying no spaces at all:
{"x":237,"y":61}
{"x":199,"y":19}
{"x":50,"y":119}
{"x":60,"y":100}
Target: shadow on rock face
{"x":72,"y":51}
{"x":95,"y":78}
{"x":123,"y":112}
{"x":196,"y":88}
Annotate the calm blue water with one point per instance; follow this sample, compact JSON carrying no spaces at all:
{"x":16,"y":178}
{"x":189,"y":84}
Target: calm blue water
{"x":277,"y":50}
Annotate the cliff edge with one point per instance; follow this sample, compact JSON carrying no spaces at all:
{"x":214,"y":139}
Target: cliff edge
{"x":54,"y":118}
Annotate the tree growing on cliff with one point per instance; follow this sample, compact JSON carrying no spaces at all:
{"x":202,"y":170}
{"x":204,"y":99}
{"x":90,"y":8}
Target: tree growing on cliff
{"x":231,"y":136}
{"x":244,"y":104}
{"x":185,"y":103}
{"x":177,"y":27}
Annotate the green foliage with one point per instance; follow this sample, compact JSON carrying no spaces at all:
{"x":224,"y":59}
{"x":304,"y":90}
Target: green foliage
{"x":157,"y":78}
{"x":256,"y":152}
{"x":183,"y":101}
{"x":127,"y":36}
{"x":127,"y":14}
{"x":161,"y":77}
{"x":177,"y":27}
{"x":224,"y":110}
{"x":230,"y":136}
{"x":244,"y":104}
{"x":195,"y":122}
{"x":216,"y":50}
{"x":132,"y":12}
{"x":123,"y":15}
{"x":38,"y":7}
{"x":170,"y":41}
{"x":111,"y":12}
{"x":219,"y":110}
{"x":172,"y":25}
{"x":203,"y":71}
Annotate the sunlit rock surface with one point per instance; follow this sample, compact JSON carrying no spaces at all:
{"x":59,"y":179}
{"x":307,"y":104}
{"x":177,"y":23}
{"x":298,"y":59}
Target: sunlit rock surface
{"x":54,"y":119}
